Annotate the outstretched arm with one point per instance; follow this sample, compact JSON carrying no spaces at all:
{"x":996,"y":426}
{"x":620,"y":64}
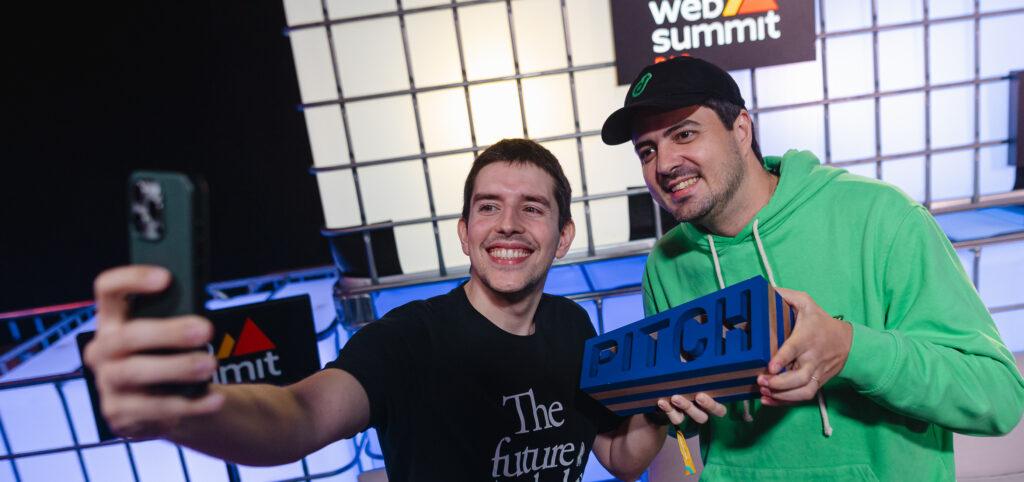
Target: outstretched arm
{"x":250,"y":424}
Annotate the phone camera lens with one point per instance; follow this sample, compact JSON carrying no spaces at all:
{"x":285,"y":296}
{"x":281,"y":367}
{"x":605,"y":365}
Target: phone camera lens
{"x":155,"y":210}
{"x":137,"y":221}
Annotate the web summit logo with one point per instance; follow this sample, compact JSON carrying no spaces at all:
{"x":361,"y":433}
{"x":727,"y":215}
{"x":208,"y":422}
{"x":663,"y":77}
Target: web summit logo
{"x":712,"y":31}
{"x":257,"y":358}
{"x":732,"y":34}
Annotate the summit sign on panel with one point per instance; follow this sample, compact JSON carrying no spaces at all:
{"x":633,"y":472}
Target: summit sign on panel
{"x":734,"y":34}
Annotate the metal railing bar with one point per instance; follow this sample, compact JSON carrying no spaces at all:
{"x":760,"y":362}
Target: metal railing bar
{"x":976,"y":188}
{"x":255,"y":282}
{"x":918,"y":23}
{"x":610,"y":293}
{"x":432,"y":209}
{"x":42,"y":339}
{"x":584,"y":186}
{"x":131,"y":459}
{"x":58,"y":450}
{"x":370,"y":262}
{"x":7,"y":448}
{"x":413,"y":157}
{"x":71,"y":427}
{"x":47,"y":310}
{"x":454,"y":85}
{"x":927,"y":108}
{"x":923,"y":152}
{"x":469,"y":3}
{"x":939,"y":206}
{"x":515,"y":67}
{"x":889,"y":93}
{"x":28,"y":382}
{"x":625,"y":250}
{"x":754,"y":111}
{"x":465,"y":78}
{"x":398,"y":11}
{"x":1008,"y":198}
{"x":1001,"y":309}
{"x":824,"y":83}
{"x":184,"y":466}
{"x":990,"y":241}
{"x":877,"y":88}
{"x":446,"y":217}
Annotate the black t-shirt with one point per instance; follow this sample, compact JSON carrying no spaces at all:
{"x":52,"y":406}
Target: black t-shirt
{"x":454,"y":397}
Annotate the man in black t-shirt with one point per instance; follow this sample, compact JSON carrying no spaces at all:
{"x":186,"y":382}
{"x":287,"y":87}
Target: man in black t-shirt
{"x":480,"y":383}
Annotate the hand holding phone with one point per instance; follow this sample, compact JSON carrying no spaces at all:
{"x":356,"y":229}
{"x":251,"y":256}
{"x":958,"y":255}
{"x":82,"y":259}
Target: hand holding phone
{"x":168,"y":227}
{"x":123,"y":358}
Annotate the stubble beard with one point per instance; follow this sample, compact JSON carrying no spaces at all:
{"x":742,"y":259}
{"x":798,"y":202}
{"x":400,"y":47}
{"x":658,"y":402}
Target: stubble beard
{"x":708,"y":207}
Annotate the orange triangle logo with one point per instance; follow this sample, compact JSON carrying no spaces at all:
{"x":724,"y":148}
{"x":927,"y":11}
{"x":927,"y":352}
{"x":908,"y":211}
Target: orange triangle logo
{"x":754,"y":6}
{"x":743,"y":7}
{"x":225,"y":347}
{"x":252,"y":340}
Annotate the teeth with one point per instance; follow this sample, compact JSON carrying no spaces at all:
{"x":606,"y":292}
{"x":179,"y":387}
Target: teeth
{"x":685,"y":184}
{"x":505,"y":253}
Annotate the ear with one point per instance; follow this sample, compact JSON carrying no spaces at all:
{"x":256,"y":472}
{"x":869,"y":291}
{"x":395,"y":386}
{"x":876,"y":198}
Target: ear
{"x":565,"y":239}
{"x":464,"y":236}
{"x":742,"y":129}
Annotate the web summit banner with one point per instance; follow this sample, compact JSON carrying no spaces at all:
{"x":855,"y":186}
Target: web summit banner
{"x":733,"y":34}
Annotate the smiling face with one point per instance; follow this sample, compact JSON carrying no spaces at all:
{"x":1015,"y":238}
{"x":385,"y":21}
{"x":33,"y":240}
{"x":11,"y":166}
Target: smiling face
{"x":693,"y":165}
{"x":511,"y":234}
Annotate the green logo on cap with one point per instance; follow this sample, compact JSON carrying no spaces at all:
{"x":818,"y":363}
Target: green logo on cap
{"x":641,"y":84}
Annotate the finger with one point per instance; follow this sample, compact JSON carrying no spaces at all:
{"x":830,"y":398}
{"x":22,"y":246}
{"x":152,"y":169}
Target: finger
{"x":183,"y":332}
{"x":140,"y":414}
{"x":112,"y":288}
{"x":710,"y":406}
{"x":689,"y":408}
{"x":786,"y":354}
{"x":799,"y":394}
{"x":674,"y":416}
{"x":771,"y":402}
{"x":138,"y":372}
{"x":787,"y":380}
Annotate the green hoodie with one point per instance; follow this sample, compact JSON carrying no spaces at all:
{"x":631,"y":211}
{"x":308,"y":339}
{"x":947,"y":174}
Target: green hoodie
{"x":926,"y":358}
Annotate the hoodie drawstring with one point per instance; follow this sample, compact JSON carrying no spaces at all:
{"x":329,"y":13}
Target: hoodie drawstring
{"x":747,"y":417}
{"x":826,"y":427}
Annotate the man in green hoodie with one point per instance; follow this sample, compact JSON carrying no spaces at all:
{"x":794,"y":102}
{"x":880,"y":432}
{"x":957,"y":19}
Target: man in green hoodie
{"x":891,"y":337}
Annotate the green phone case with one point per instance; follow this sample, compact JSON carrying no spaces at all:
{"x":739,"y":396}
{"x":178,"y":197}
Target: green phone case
{"x":168,"y":227}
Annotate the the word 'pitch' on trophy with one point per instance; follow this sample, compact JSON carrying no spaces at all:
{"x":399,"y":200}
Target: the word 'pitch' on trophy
{"x":716,"y":344}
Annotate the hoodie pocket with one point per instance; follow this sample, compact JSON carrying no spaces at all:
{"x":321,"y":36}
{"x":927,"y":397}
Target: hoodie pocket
{"x":858,"y":472}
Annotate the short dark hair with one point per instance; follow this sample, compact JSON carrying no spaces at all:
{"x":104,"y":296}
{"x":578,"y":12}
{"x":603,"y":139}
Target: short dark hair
{"x":727,"y":113}
{"x":522,"y":151}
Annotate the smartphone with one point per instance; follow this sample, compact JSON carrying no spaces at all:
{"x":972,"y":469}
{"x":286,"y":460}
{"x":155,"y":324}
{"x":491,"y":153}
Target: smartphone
{"x":169,"y":226}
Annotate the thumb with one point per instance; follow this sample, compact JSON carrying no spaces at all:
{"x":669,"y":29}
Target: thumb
{"x":784,"y":357}
{"x":797,"y":299}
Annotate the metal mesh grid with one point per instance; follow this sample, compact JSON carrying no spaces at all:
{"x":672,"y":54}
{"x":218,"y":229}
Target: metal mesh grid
{"x":584,"y":198}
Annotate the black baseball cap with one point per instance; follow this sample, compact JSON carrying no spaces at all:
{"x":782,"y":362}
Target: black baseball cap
{"x":672,"y":84}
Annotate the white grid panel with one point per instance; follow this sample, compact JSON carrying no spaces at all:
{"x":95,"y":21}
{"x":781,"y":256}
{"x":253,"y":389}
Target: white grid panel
{"x":908,"y":91}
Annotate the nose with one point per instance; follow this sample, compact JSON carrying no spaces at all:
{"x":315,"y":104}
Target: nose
{"x":668,"y":159}
{"x":510,"y":222}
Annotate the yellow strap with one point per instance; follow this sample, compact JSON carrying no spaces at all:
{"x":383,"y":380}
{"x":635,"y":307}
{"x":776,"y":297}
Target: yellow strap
{"x":685,"y":450}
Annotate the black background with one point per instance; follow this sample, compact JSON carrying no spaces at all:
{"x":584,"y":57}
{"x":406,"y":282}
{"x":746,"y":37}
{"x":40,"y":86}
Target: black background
{"x":94,"y":90}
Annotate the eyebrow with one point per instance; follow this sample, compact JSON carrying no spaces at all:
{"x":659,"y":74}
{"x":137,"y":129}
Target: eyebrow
{"x":529,"y":198}
{"x":668,"y":131}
